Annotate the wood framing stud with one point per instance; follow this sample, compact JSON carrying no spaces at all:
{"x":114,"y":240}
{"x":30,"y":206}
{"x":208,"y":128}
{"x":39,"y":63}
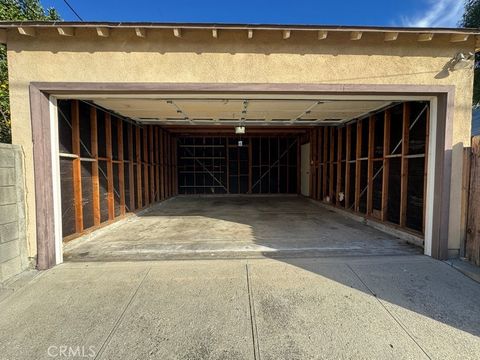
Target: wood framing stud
{"x":348,"y":149}
{"x":358,"y":168}
{"x":391,"y":36}
{"x":312,"y":160}
{"x":157,"y":165}
{"x":322,"y":34}
{"x":141,"y":32}
{"x":66,"y":31}
{"x":95,"y":179}
{"x":138,"y":168}
{"x":145,"y":166}
{"x":326,"y":132}
{"x":371,"y":149}
{"x":319,"y":163}
{"x":27,"y":31}
{"x":121,"y":166}
{"x":425,"y":37}
{"x":339,"y":162}
{"x":177,"y":32}
{"x":299,"y":161}
{"x":110,"y":189}
{"x":103,"y":31}
{"x":404,"y":164}
{"x":356,"y":35}
{"x":386,"y":164}
{"x":131,"y":174}
{"x":151,"y":159}
{"x":331,"y":185}
{"x":77,"y":168}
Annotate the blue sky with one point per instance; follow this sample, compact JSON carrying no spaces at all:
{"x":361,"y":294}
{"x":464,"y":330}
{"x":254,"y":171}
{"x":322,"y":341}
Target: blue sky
{"x":422,"y":13}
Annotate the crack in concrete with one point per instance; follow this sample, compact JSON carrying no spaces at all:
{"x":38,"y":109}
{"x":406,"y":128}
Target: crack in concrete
{"x":253,"y":321}
{"x":122,"y":315}
{"x":403,"y":327}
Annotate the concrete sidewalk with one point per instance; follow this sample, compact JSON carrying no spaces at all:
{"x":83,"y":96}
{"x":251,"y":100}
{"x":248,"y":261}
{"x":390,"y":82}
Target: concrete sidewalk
{"x":363,"y":307}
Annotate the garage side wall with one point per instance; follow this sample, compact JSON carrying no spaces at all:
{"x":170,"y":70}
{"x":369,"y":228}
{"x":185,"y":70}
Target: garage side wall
{"x":233,"y":58}
{"x":109,"y":167}
{"x":375,"y":166}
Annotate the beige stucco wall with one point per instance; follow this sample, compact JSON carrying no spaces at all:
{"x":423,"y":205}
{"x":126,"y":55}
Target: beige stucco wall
{"x":267,"y":58}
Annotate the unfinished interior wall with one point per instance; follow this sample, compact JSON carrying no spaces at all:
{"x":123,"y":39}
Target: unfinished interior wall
{"x":109,"y":167}
{"x":238,"y":164}
{"x":375,"y":166}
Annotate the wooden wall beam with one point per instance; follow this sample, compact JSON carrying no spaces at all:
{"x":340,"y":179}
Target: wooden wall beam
{"x":371,"y":153}
{"x":404,"y":164}
{"x":139,"y":168}
{"x":175,"y":166}
{"x":339,"y":163}
{"x":170,"y":148}
{"x":95,"y":179}
{"x":77,"y":167}
{"x":121,"y":166}
{"x":131,"y":180}
{"x":386,"y":163}
{"x":170,"y":177}
{"x":151,"y":162}
{"x":110,"y":197}
{"x":167,"y":165}
{"x":162,"y":163}
{"x":299,"y":166}
{"x":145,"y":165}
{"x":358,"y":164}
{"x":311,"y":190}
{"x":331,"y":165}
{"x":318,"y":195}
{"x":348,"y":150}
{"x":227,"y":159}
{"x":326,"y":133}
{"x":157,"y":165}
{"x":250,"y":175}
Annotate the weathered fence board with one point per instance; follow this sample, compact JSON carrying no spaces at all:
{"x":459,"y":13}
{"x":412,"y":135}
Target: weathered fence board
{"x":473,"y":222}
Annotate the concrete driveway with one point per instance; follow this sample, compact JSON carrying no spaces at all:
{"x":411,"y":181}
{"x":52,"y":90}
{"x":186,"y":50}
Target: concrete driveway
{"x":375,"y":307}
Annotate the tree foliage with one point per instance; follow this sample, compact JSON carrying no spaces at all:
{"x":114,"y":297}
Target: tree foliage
{"x":13,"y":10}
{"x":471,"y":19}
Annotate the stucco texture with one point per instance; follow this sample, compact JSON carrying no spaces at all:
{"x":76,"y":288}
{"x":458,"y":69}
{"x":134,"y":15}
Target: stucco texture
{"x":233,"y":58}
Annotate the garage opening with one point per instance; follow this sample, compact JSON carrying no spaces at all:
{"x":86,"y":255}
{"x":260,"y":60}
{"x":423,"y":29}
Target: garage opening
{"x":264,"y":163}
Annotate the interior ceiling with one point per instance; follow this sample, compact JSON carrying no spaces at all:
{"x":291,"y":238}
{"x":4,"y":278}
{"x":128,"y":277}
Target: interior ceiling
{"x":240,"y":111}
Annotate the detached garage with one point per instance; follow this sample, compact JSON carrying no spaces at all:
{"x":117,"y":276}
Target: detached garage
{"x":239,"y":140}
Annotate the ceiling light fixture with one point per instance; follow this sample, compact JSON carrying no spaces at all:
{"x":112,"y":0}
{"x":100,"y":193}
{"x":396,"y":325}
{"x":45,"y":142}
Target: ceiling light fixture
{"x":239,"y":129}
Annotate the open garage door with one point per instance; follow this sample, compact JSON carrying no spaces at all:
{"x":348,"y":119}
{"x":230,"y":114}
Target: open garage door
{"x":119,"y":156}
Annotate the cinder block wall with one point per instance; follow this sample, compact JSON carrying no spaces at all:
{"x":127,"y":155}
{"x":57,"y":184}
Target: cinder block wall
{"x":13,"y":242}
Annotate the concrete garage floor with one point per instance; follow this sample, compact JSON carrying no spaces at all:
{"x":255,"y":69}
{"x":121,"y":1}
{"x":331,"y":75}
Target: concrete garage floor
{"x":381,"y":307}
{"x":235,"y":227}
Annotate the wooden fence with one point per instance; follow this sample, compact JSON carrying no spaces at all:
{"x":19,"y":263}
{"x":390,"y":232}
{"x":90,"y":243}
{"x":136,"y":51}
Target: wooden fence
{"x":472,"y":248}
